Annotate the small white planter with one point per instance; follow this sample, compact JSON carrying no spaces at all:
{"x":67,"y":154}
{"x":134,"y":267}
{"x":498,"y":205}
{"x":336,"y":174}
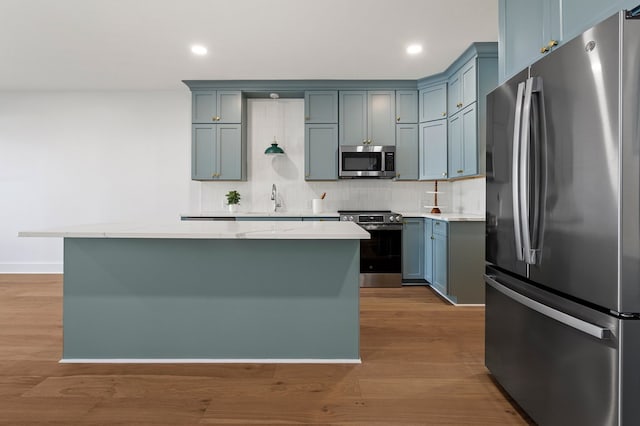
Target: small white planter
{"x":233,"y":208}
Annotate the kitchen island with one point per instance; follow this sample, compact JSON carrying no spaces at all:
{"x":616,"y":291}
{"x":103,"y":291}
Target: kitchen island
{"x":211,"y":292}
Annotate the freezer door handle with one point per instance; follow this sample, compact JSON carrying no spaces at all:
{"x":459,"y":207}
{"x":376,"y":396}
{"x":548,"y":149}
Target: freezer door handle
{"x":573,"y":322}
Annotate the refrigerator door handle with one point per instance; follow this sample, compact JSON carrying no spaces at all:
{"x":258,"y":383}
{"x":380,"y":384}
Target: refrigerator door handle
{"x":573,"y":322}
{"x":524,"y":171}
{"x":515,"y":172}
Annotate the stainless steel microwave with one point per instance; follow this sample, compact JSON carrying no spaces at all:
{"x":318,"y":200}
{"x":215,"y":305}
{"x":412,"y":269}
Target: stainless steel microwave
{"x":367,"y":161}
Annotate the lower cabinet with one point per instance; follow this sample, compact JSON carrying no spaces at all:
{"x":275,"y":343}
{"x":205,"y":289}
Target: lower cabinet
{"x":454,"y":259}
{"x":413,"y":249}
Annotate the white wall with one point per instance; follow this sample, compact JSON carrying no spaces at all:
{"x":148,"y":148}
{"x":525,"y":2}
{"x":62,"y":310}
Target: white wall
{"x":70,"y":158}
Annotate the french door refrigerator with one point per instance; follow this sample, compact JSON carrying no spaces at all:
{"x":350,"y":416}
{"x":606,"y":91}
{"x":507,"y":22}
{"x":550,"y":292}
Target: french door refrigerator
{"x":563,"y":231}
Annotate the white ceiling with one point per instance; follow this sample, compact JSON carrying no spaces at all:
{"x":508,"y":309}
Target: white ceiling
{"x":145,"y":44}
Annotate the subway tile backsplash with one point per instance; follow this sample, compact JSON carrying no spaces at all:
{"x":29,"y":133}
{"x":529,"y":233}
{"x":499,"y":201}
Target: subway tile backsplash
{"x":284,"y":119}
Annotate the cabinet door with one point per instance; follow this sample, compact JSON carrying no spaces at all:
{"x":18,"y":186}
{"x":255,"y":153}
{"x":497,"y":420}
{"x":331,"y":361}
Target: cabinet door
{"x":407,"y":152}
{"x":433,"y":150}
{"x":433,"y":103}
{"x":463,"y":143}
{"x":203,"y":152}
{"x":468,"y":79}
{"x":428,"y":250}
{"x":440,"y":259}
{"x":580,"y":15}
{"x":525,"y":28}
{"x":321,"y":152}
{"x":353,"y":117}
{"x":406,"y":106}
{"x":229,"y":106}
{"x":381,"y":117}
{"x":229,"y":151}
{"x":469,"y":141}
{"x":203,"y":107}
{"x":321,"y":107}
{"x":413,"y":248}
{"x":453,"y":94}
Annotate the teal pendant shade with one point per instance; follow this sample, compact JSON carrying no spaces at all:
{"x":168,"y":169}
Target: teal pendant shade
{"x":274,"y":148}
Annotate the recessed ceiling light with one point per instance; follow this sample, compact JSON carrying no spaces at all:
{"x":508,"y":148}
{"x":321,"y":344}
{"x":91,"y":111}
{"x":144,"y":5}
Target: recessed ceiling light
{"x":414,"y":49}
{"x":198,"y":50}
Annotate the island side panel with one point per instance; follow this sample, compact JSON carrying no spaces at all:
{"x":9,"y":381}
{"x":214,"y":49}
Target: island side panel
{"x":210,"y":299}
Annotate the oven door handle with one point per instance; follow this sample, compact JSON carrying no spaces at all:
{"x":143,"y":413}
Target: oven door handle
{"x":377,"y":227}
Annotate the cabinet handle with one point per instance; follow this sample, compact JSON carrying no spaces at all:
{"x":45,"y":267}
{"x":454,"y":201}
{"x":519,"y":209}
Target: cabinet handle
{"x":460,"y":171}
{"x":460,"y":105}
{"x":364,"y":141}
{"x":398,"y":119}
{"x":432,"y":237}
{"x":397,"y":174}
{"x":444,"y":114}
{"x":544,"y":49}
{"x":444,"y":174}
{"x":369,"y":141}
{"x":552,"y":43}
{"x":307,"y":175}
{"x":307,"y":118}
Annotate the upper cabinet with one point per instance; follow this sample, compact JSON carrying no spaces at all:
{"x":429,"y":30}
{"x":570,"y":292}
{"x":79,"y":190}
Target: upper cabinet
{"x":462,"y":88}
{"x":433,"y":102}
{"x":367,"y":117}
{"x":531,"y":29}
{"x":216,"y":106}
{"x":406,"y":106}
{"x":321,"y":107}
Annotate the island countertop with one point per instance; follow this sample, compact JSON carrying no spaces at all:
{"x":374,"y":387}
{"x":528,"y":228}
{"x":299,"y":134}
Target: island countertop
{"x":275,"y":230}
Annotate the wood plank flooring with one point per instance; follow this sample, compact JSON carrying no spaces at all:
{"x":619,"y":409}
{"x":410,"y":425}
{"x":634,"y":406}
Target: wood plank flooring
{"x":422,"y":365}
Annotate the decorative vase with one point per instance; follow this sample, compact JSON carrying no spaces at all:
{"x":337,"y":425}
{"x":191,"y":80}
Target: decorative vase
{"x":233,"y":208}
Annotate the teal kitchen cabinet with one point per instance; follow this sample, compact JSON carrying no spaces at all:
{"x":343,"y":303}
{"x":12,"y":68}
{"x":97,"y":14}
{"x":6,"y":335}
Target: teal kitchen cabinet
{"x":433,"y":102}
{"x":454,"y":259}
{"x":321,"y":106}
{"x":406,"y":106}
{"x":321,"y":152}
{"x":462,"y":88}
{"x":463,"y":146}
{"x":216,"y":106}
{"x":407,"y":161}
{"x":467,"y":91}
{"x":428,"y":250}
{"x":433,"y":150}
{"x":217,"y":152}
{"x":413,"y":249}
{"x":440,"y":256}
{"x":367,"y":117}
{"x":530,"y":29}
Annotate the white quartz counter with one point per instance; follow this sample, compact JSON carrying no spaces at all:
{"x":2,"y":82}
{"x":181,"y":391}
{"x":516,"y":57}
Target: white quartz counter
{"x":276,"y":230}
{"x":448,"y":217}
{"x":225,"y":213}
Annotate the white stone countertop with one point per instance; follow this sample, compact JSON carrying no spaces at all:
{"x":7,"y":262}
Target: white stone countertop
{"x":276,"y":230}
{"x":448,"y":217}
{"x":226,"y":213}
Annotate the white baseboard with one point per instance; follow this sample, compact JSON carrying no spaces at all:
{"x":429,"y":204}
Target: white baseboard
{"x":208,"y":361}
{"x":31,"y":268}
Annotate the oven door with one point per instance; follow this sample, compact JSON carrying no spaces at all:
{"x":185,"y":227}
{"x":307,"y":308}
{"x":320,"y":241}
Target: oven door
{"x":380,"y":256}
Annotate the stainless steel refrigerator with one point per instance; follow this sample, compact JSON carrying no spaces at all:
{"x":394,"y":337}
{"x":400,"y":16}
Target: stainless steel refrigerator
{"x":563,"y":231}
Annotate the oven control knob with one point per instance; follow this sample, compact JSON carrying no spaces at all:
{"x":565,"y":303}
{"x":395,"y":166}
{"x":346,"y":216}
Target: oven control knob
{"x":391,"y":218}
{"x":398,"y":218}
{"x":344,"y":218}
{"x":351,"y":218}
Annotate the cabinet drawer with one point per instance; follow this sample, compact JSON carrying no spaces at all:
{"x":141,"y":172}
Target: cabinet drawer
{"x":440,"y":227}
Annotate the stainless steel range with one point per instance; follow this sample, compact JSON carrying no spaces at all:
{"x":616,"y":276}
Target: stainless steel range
{"x":380,"y":256}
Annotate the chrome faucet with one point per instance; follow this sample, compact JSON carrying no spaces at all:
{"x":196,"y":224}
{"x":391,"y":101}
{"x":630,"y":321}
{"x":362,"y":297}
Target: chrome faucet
{"x":274,"y":198}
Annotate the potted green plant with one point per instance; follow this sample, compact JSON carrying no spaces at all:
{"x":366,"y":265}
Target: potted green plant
{"x":233,"y":199}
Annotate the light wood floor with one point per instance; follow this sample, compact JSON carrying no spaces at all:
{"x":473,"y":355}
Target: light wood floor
{"x":422,"y":364}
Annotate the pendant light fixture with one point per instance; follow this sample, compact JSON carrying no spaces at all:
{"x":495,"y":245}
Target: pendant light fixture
{"x":274,"y":149}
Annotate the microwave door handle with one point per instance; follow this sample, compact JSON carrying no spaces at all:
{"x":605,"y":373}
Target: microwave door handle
{"x":515,"y":172}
